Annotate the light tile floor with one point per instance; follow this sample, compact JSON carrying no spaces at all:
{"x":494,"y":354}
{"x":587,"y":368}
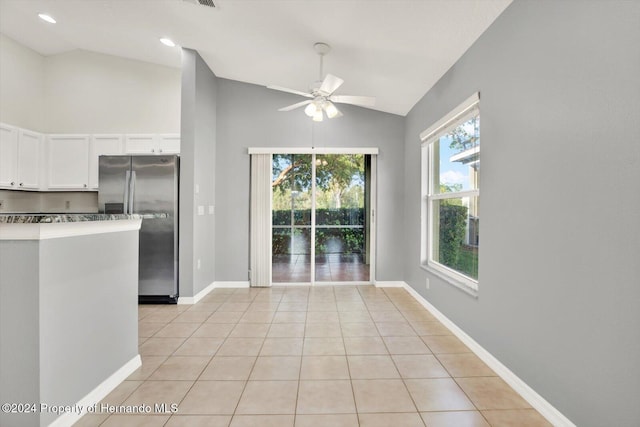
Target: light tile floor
{"x":330,"y":356}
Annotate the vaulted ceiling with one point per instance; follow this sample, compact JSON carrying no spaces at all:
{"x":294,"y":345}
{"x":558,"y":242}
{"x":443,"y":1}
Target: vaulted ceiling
{"x":395,"y":50}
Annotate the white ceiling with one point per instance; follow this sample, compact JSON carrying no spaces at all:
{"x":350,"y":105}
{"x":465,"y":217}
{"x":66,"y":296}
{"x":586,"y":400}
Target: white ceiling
{"x":395,"y":50}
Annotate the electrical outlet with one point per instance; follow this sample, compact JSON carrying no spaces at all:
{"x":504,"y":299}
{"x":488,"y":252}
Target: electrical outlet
{"x":67,"y":204}
{"x":428,"y":283}
{"x":198,"y":264}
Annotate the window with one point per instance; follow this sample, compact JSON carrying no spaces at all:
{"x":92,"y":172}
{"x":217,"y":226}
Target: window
{"x":451,"y":195}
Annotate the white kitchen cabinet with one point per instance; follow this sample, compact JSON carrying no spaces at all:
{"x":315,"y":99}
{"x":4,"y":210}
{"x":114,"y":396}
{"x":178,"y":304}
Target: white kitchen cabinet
{"x":8,"y":156}
{"x":152,"y":144}
{"x":101,"y":145}
{"x":20,"y":158}
{"x":169,"y":143}
{"x":68,"y":162}
{"x":29,"y":159}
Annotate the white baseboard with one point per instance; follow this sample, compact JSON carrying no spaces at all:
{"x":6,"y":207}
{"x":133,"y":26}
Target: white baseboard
{"x":390,"y":284}
{"x":98,"y":393}
{"x":238,"y":284}
{"x":197,"y":297}
{"x":539,"y":403}
{"x":212,"y":286}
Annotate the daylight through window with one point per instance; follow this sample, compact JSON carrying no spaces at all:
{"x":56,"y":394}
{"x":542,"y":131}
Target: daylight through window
{"x":451,"y":195}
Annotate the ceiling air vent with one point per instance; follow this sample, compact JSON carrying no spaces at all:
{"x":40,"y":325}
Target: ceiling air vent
{"x":208,"y":3}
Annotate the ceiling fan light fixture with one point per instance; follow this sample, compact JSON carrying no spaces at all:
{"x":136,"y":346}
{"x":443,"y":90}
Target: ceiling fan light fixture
{"x":330,"y":109}
{"x":47,"y":18}
{"x":317,"y":116}
{"x":311,"y":109}
{"x":167,"y":42}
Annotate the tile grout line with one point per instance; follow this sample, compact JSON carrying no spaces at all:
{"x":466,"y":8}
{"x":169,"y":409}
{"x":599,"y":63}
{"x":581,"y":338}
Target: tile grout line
{"x":445,"y":368}
{"x":394,"y":362}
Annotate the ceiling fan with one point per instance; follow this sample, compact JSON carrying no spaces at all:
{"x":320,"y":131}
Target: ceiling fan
{"x":321,"y":93}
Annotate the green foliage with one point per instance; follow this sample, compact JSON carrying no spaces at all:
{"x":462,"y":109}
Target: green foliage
{"x":332,"y":171}
{"x":344,"y":216}
{"x":466,"y":135}
{"x":453,"y":221}
{"x":344,"y":240}
{"x":450,"y":188}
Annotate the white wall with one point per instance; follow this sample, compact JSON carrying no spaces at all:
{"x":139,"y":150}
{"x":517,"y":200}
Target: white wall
{"x":86,"y":92}
{"x":559,"y":279}
{"x":21,"y":85}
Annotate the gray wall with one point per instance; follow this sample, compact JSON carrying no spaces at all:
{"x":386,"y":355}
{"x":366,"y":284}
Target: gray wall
{"x":20,"y":349}
{"x":88,"y":313}
{"x":248,"y":117}
{"x":197,"y":157}
{"x":560,"y":184}
{"x":68,"y":318}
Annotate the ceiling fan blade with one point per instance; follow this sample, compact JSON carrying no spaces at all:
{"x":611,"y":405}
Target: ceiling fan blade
{"x":363,"y":101}
{"x":294,"y":106}
{"x":330,"y":84}
{"x":295,"y":92}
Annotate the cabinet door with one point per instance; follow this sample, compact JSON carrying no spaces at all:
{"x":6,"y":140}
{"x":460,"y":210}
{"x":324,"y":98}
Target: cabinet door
{"x":8,"y":156}
{"x":169,"y":144}
{"x":140,"y":144}
{"x":68,"y":161}
{"x":29,"y":151}
{"x":101,"y":145}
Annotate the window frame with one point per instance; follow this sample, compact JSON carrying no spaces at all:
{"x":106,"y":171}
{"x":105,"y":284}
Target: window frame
{"x":462,"y":113}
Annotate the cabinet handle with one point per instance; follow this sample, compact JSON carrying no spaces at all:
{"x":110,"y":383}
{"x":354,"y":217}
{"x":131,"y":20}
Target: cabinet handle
{"x":160,"y":150}
{"x":20,"y":184}
{"x":13,"y":183}
{"x":153,"y":150}
{"x":85,"y":185}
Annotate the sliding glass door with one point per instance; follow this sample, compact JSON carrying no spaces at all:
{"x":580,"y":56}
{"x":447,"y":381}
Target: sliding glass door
{"x":291,"y":214}
{"x":321,"y":210}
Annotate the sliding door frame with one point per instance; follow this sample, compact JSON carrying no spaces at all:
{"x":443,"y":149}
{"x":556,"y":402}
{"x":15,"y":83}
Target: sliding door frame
{"x":373,"y":152}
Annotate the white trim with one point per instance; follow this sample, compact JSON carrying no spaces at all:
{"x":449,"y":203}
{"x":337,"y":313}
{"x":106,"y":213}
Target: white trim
{"x":203,"y":293}
{"x":314,"y":168}
{"x":312,"y":150}
{"x":455,"y":113}
{"x":373,"y":220}
{"x":42,"y":231}
{"x":197,"y":297}
{"x":389,"y":284}
{"x":536,"y":401}
{"x":455,"y":195}
{"x":98,"y":393}
{"x":452,"y":277}
{"x":238,"y":284}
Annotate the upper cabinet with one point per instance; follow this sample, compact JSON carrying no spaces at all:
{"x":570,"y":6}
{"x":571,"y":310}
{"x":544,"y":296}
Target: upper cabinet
{"x":33,"y":161}
{"x":152,"y":144}
{"x":20,"y":158}
{"x":101,"y":145}
{"x":68,"y":162}
{"x":8,"y":156}
{"x":29,"y":159}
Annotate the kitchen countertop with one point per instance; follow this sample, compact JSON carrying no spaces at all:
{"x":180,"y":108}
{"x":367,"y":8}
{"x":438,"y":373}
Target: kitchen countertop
{"x":80,"y":217}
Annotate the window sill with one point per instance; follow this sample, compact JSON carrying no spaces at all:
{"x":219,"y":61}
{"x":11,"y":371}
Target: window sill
{"x":450,"y":280}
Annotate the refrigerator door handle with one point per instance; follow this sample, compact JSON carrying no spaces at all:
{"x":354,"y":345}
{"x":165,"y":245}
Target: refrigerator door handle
{"x":127,"y":179}
{"x":133,"y":191}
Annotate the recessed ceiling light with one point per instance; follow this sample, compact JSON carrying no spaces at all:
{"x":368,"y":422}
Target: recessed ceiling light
{"x":47,"y":18}
{"x":167,"y":42}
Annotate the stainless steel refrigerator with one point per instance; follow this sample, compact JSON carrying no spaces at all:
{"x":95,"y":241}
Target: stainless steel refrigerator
{"x":147,"y":185}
